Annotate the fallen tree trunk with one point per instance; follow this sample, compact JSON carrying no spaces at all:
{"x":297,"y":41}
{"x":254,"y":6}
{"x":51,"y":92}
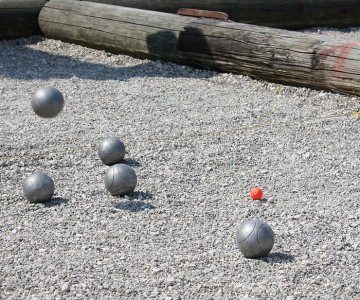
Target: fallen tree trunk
{"x":288,"y":14}
{"x":19,"y":18}
{"x":272,"y":54}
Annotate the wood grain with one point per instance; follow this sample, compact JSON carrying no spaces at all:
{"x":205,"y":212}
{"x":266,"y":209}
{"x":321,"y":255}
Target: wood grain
{"x":275,"y":55}
{"x":140,"y":33}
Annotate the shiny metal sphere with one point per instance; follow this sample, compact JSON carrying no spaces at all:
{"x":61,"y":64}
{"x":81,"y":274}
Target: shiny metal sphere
{"x":111,"y":151}
{"x":47,"y":102}
{"x":255,"y":239}
{"x":38,"y":187}
{"x":120,"y":180}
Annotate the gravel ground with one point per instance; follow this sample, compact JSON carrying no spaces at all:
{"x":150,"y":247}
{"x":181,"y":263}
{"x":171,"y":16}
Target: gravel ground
{"x":198,"y":141}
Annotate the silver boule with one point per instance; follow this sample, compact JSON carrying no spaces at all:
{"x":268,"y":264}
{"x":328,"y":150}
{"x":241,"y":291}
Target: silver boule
{"x":255,"y":239}
{"x":120,"y":180}
{"x":38,"y":187}
{"x":47,"y":102}
{"x":111,"y":151}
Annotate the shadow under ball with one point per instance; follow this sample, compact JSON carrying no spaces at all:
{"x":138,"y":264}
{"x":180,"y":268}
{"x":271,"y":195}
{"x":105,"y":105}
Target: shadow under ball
{"x":255,"y":239}
{"x":111,"y":151}
{"x":47,"y":102}
{"x":38,"y":187}
{"x":120,"y":180}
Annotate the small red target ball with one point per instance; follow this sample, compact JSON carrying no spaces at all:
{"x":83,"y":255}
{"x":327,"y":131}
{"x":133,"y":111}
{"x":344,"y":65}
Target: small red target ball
{"x":256,"y":193}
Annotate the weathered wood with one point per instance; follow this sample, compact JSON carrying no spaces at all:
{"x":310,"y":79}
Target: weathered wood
{"x":288,"y":14}
{"x":19,"y":18}
{"x":273,"y":54}
{"x":140,"y":33}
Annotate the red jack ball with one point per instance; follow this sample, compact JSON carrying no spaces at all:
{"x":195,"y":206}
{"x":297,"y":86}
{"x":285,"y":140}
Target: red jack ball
{"x":256,"y":193}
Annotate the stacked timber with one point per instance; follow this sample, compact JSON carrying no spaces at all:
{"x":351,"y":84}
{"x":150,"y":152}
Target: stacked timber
{"x":19,"y":18}
{"x":273,"y":54}
{"x":289,"y":14}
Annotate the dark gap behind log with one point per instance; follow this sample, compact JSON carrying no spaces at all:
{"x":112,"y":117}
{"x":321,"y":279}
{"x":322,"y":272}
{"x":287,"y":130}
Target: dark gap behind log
{"x":289,"y":14}
{"x":19,"y":18}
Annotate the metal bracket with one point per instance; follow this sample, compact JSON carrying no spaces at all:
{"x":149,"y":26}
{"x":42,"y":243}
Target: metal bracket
{"x":198,"y":13}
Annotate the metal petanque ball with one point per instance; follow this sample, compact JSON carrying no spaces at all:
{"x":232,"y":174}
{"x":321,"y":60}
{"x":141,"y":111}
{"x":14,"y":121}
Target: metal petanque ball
{"x":111,"y":151}
{"x":255,"y":239}
{"x":38,"y":187}
{"x":120,"y":180}
{"x":47,"y":102}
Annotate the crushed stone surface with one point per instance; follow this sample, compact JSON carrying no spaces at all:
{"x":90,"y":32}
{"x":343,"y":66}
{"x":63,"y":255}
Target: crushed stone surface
{"x":198,"y":141}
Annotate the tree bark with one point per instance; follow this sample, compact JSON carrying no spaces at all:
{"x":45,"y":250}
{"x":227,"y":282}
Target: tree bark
{"x":19,"y":18}
{"x":275,"y":55}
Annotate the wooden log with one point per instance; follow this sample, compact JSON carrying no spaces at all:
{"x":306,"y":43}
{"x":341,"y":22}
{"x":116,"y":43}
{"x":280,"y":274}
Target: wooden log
{"x":273,"y":54}
{"x":288,"y":14}
{"x":140,"y":33}
{"x":19,"y":18}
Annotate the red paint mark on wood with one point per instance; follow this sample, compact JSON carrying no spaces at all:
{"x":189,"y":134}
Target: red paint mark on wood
{"x":342,"y":51}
